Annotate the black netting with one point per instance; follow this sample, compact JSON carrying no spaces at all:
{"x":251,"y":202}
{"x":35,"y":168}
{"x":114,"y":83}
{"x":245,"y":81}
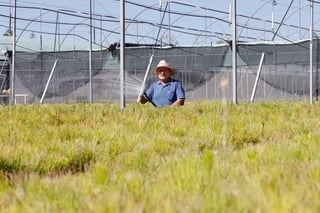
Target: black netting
{"x":192,"y":63}
{"x":285,"y":71}
{"x":71,"y":72}
{"x":286,"y":67}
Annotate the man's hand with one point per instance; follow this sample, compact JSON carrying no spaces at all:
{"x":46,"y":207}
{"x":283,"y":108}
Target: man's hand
{"x":142,"y":99}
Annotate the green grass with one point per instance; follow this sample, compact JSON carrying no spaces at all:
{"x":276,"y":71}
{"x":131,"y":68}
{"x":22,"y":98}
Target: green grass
{"x":99,"y":158}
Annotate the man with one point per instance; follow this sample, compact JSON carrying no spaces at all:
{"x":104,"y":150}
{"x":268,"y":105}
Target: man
{"x":166,"y":91}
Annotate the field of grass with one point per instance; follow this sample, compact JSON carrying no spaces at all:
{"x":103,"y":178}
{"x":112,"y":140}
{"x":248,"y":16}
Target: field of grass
{"x":202,"y":157}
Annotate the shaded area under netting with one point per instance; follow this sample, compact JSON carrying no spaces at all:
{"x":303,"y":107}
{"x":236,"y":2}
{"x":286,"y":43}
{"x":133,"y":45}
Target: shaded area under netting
{"x":200,"y":68}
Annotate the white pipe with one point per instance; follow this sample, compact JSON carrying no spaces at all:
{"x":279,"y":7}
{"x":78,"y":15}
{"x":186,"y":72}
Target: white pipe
{"x":145,"y":78}
{"x":257,"y":78}
{"x":49,"y":80}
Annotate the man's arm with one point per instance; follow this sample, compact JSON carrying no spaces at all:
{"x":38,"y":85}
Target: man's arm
{"x":178,"y":102}
{"x":180,"y":94}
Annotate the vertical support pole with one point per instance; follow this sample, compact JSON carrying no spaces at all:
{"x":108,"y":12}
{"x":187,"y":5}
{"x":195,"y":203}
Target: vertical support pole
{"x":234,"y":52}
{"x":272,"y":18}
{"x":122,"y":53}
{"x":317,"y":72}
{"x":56,"y":33}
{"x":90,"y":54}
{"x":257,"y":78}
{"x":13,"y":65}
{"x":311,"y":50}
{"x":299,"y":19}
{"x":169,"y":24}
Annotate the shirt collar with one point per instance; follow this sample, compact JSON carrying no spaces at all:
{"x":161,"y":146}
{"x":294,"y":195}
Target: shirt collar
{"x":169,"y":81}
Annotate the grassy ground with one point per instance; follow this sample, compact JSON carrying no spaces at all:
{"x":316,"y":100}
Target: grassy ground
{"x":202,"y":157}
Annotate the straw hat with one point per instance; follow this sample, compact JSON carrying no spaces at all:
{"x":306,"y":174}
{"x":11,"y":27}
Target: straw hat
{"x":162,"y":64}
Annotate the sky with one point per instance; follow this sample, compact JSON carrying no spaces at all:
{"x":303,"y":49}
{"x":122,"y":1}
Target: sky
{"x":190,"y":22}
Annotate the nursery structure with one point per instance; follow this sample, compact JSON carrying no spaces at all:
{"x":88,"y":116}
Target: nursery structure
{"x":56,"y":60}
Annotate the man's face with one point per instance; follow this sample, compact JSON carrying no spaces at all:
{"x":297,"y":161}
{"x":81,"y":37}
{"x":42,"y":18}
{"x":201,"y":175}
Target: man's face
{"x":163,"y":73}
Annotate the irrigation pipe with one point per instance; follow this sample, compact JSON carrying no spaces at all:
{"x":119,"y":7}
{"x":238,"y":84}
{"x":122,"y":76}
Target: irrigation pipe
{"x":145,"y":78}
{"x":257,"y":78}
{"x":49,"y":80}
